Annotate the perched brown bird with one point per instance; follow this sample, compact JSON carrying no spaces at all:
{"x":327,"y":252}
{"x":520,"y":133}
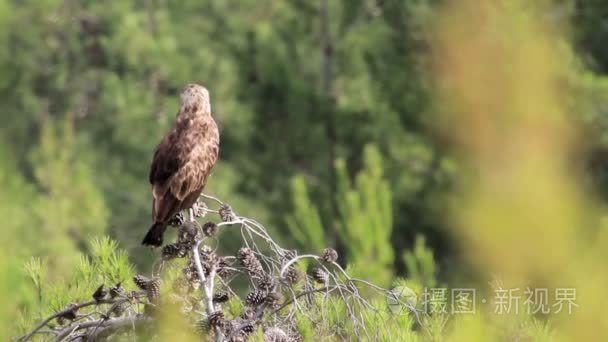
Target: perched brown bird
{"x":182,"y":161}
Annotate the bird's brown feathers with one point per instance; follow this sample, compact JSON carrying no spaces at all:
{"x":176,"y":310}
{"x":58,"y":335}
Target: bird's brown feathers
{"x":183,"y":160}
{"x":182,"y":163}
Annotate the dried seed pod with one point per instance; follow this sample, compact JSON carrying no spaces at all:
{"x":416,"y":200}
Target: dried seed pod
{"x":141,"y":281}
{"x":273,"y":299}
{"x":275,"y":334}
{"x":177,"y":220}
{"x":255,"y":297}
{"x":209,"y":229}
{"x":221,"y":297}
{"x":100,"y":294}
{"x":250,"y":262}
{"x":320,"y":276}
{"x":226,"y":213}
{"x":117,"y":290}
{"x":293,"y":275}
{"x":330,"y":255}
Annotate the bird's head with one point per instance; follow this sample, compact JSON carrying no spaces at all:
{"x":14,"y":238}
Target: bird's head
{"x":195,"y":98}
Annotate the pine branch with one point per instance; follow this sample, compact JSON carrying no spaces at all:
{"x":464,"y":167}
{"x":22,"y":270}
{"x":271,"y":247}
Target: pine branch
{"x":72,"y":309}
{"x":271,"y":270}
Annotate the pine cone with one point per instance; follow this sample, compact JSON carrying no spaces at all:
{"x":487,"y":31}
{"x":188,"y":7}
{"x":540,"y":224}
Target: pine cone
{"x":248,"y":314}
{"x":208,"y":259}
{"x":117,"y":290}
{"x":177,"y":220}
{"x":216,"y":319}
{"x":70,"y":313}
{"x":226,"y":213}
{"x":203,"y":326}
{"x":173,"y":250}
{"x":320,"y":276}
{"x":248,"y":329}
{"x":250,"y":262}
{"x":223,"y":267}
{"x":221,"y":297}
{"x":100,"y":294}
{"x":330,"y":255}
{"x":199,"y":208}
{"x":153,"y":289}
{"x":192,"y":276}
{"x":209,"y":229}
{"x":273,"y":299}
{"x":188,"y":233}
{"x":141,"y":281}
{"x":119,"y":308}
{"x":275,"y":335}
{"x":181,"y":286}
{"x":255,"y":297}
{"x":266,"y":283}
{"x":293,"y":275}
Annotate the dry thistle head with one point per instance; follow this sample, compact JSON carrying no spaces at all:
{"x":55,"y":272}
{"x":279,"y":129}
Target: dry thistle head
{"x":330,"y":255}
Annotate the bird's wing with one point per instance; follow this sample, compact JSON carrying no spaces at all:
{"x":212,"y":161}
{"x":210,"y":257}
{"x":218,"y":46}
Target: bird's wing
{"x":192,"y":176}
{"x":168,"y":158}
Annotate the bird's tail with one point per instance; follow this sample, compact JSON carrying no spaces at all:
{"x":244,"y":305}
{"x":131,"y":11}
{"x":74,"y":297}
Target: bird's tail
{"x":155,"y":235}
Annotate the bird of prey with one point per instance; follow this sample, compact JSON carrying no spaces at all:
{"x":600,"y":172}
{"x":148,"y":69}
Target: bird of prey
{"x":182,"y":161}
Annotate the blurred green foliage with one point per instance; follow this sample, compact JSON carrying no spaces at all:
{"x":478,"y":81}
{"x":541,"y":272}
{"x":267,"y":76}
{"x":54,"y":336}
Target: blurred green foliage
{"x":89,"y":87}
